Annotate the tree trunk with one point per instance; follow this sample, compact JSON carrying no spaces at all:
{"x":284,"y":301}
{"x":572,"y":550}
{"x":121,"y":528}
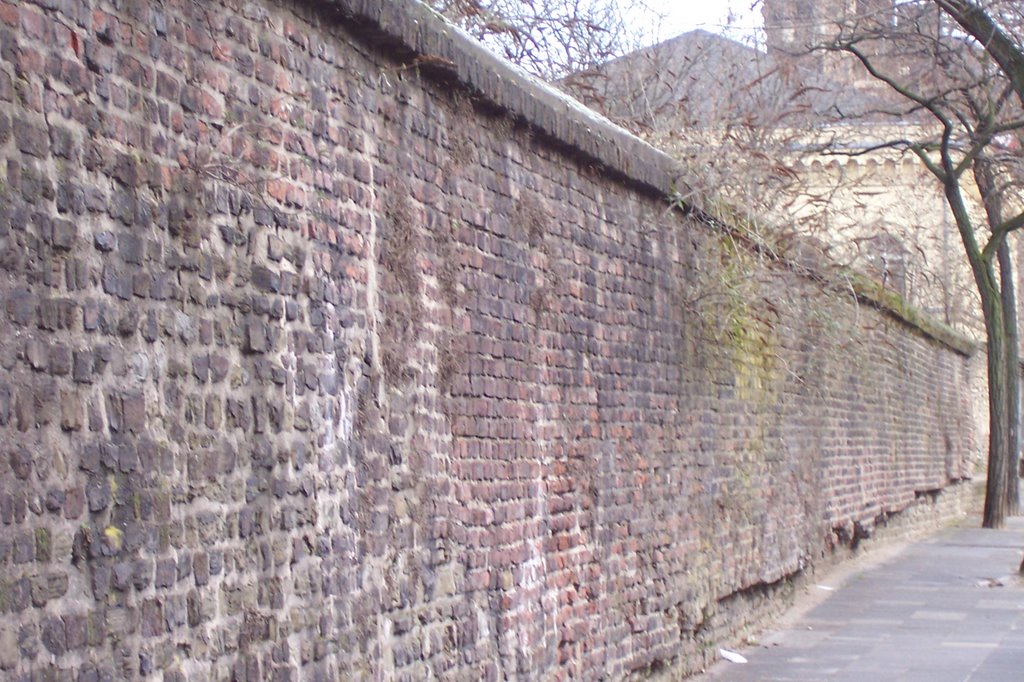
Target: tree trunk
{"x":1007,"y":293}
{"x":996,"y":489}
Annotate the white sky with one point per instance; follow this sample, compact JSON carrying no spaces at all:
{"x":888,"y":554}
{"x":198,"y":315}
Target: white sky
{"x":736,"y":18}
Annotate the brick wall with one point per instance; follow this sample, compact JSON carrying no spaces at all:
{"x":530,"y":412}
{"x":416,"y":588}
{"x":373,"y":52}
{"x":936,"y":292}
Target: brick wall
{"x":332,"y":348}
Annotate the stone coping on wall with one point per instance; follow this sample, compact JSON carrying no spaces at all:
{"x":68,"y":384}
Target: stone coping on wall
{"x":873,"y":293}
{"x":438,"y":46}
{"x":442,"y":46}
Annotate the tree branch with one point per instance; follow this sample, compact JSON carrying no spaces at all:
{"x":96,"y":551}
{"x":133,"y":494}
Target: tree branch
{"x":1000,"y":231}
{"x":980,"y":25}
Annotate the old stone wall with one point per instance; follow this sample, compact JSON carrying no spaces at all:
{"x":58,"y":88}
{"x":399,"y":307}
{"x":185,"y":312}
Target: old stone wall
{"x":334,"y":349}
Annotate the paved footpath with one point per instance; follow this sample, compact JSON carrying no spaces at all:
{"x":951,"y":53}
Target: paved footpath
{"x":948,"y":607}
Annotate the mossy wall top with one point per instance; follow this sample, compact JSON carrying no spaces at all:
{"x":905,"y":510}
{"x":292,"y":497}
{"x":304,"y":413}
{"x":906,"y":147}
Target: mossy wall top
{"x":328,"y":356}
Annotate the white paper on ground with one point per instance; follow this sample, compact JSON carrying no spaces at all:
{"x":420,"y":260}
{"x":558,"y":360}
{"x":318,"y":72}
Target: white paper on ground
{"x":731,"y":656}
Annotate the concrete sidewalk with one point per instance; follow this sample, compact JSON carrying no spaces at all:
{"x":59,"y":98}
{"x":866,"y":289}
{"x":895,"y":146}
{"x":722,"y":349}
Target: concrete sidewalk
{"x":949,"y":607}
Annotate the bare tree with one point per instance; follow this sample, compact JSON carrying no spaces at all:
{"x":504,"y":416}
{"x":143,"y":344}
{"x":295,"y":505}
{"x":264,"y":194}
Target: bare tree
{"x":963,"y":92}
{"x":993,"y":26}
{"x":550,"y":38}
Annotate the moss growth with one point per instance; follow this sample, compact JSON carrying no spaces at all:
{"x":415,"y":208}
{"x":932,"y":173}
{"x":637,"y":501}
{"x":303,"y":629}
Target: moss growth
{"x":743,"y":232}
{"x":114,"y":538}
{"x":44,"y":545}
{"x":873,"y":293}
{"x":447,"y":263}
{"x":739,"y":323}
{"x":754,"y":360}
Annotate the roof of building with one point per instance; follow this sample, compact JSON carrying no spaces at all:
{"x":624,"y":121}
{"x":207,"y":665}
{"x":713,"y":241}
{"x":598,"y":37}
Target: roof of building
{"x":701,"y":79}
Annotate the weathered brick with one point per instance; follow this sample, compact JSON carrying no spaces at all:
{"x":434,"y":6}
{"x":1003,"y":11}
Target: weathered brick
{"x":166,"y":573}
{"x":134,"y":407}
{"x":121,"y":574}
{"x":54,"y":636}
{"x":266,"y":279}
{"x":21,"y":461}
{"x":97,"y":493}
{"x":24,"y":548}
{"x":21,"y":307}
{"x":257,"y":336}
{"x":131,"y":248}
{"x":105,"y":240}
{"x":126,"y":170}
{"x":100,"y":583}
{"x":31,"y":139}
{"x":60,"y":360}
{"x":83,"y":366}
{"x":167,"y":86}
{"x":9,"y":653}
{"x":116,"y":283}
{"x":99,"y":58}
{"x":15,"y":596}
{"x":48,"y":587}
{"x":54,"y":500}
{"x":76,"y":631}
{"x":63,"y":235}
{"x":62,"y":142}
{"x":56,"y":314}
{"x":74,"y":503}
